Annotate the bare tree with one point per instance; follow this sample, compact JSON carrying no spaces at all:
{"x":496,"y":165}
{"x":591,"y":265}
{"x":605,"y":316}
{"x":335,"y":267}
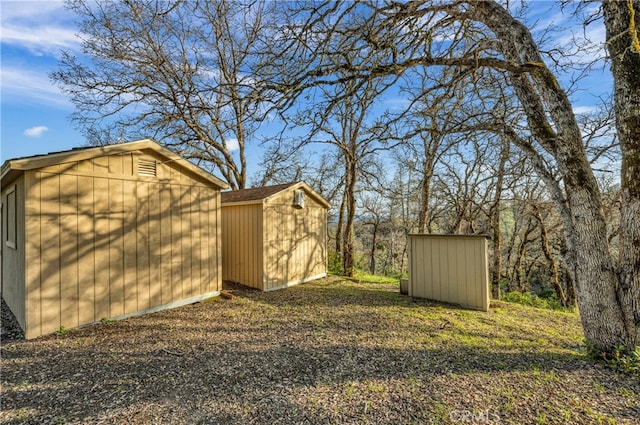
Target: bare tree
{"x":411,"y":34}
{"x":374,"y":214}
{"x":181,"y":72}
{"x":494,"y":217}
{"x":339,"y":117}
{"x":427,"y":121}
{"x":553,"y":264}
{"x":465,"y":185}
{"x":345,"y":126}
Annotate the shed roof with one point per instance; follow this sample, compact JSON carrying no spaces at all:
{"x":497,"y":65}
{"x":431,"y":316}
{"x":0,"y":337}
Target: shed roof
{"x":13,"y":167}
{"x":258,"y":195}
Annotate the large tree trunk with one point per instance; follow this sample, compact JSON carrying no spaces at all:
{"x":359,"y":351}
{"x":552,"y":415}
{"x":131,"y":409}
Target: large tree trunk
{"x":509,"y":260}
{"x":497,"y":255}
{"x":350,"y":204}
{"x":609,"y":315}
{"x":495,"y":223}
{"x":430,"y":152}
{"x":623,"y":42}
{"x":522,"y":249}
{"x":424,"y":214}
{"x":340,"y":227}
{"x":374,"y":243}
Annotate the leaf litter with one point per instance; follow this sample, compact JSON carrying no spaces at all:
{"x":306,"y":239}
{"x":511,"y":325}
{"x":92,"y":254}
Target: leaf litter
{"x":326,"y":352}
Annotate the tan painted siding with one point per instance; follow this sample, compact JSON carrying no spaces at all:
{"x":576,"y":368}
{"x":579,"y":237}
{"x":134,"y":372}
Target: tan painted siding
{"x":295,"y":243}
{"x":33,"y":265}
{"x":104,"y":242}
{"x":86,"y":251}
{"x":273,"y":244}
{"x":242,"y":252}
{"x":215,"y":250}
{"x":154,"y":237}
{"x":449,"y":268}
{"x":13,"y":248}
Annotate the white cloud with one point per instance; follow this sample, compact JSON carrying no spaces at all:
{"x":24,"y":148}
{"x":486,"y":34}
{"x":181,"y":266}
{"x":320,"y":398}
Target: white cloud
{"x":33,"y":33}
{"x":42,"y":27}
{"x":396,"y":103}
{"x":577,"y":110}
{"x":36,"y":131}
{"x":26,"y":85}
{"x":232,"y":144}
{"x":564,"y":30}
{"x":45,"y":40}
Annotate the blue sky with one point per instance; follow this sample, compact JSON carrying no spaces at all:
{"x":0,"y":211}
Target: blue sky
{"x":34,"y":113}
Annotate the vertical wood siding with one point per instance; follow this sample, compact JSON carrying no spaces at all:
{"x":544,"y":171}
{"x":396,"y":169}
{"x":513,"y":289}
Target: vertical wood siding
{"x":274,"y":245}
{"x":242,"y":244}
{"x":103,"y":242}
{"x":450,"y":268}
{"x":33,"y":242}
{"x":214,"y":230}
{"x":295,"y":242}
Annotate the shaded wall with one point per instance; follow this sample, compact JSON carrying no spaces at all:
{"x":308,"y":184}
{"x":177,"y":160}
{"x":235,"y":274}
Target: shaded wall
{"x":242,"y":244}
{"x":13,"y":249}
{"x":450,"y":268}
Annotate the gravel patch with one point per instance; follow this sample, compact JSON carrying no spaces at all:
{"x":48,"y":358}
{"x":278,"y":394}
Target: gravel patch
{"x":326,"y":352}
{"x":9,"y":328}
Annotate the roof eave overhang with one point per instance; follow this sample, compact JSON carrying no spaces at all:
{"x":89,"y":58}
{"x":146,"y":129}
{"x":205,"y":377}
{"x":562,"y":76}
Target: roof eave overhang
{"x":31,"y":163}
{"x":238,"y":203}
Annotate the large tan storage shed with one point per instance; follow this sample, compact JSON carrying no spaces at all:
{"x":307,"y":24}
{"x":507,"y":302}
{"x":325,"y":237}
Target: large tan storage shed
{"x":106,"y":232}
{"x":274,"y":236}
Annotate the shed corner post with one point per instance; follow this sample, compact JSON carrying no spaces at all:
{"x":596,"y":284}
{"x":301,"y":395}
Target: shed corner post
{"x":219,"y":241}
{"x":487,"y":286}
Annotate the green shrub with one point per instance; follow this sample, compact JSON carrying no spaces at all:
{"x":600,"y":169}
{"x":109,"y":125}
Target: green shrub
{"x":547,"y":293}
{"x":367,"y":277}
{"x":623,"y":361}
{"x":62,"y":331}
{"x":551,"y":302}
{"x":524,"y":298}
{"x":335,"y":263}
{"x":555,"y":304}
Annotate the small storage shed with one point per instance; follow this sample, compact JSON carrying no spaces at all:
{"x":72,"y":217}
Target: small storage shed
{"x":274,"y":236}
{"x":450,"y":268}
{"x":106,"y":232}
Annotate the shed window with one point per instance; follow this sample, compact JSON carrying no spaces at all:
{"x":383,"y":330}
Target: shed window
{"x":147,"y":167}
{"x":11,"y":219}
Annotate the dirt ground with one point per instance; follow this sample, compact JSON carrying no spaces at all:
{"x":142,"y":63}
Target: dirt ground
{"x":327,"y":352}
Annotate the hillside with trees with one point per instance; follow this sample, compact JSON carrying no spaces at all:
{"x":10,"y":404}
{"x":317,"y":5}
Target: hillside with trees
{"x":438,"y":116}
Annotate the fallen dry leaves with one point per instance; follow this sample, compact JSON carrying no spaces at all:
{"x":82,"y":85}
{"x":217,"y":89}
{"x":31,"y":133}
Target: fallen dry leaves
{"x":330,"y":351}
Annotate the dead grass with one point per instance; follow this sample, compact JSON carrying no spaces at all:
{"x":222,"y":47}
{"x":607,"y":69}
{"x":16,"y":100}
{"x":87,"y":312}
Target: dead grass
{"x":330,"y":351}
